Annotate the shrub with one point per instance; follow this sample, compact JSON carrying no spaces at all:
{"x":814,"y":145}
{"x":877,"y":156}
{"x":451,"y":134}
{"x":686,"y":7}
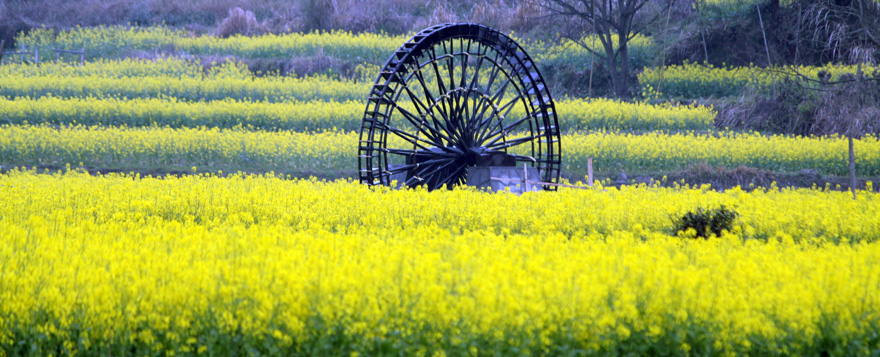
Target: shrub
{"x":239,"y":22}
{"x":705,"y":222}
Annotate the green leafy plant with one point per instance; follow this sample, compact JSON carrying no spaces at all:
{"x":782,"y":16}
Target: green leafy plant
{"x":705,"y":222}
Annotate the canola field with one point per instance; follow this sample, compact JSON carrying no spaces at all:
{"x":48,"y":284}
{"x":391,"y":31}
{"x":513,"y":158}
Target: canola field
{"x":103,"y":42}
{"x":261,"y":264}
{"x":692,"y":80}
{"x":179,"y":93}
{"x":216,"y":239}
{"x":173,"y":114}
{"x":333,"y":153}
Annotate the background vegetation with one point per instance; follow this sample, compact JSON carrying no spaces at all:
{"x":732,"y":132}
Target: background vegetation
{"x":304,"y":66}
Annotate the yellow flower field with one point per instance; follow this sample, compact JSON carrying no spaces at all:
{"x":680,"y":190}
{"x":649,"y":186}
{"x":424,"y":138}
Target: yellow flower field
{"x":333,"y":152}
{"x":105,"y":42}
{"x":270,"y":89}
{"x":318,"y":115}
{"x":122,"y":68}
{"x":692,"y":80}
{"x":158,"y":207}
{"x":259,"y":264}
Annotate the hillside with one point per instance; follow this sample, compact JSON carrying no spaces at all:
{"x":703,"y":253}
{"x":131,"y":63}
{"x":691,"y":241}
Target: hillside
{"x":154,"y":66}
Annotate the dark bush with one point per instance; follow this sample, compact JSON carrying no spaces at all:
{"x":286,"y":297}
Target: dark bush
{"x":706,"y":221}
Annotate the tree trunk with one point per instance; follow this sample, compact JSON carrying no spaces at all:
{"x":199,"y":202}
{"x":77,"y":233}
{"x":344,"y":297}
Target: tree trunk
{"x":623,"y":88}
{"x":852,"y":132}
{"x":610,"y":59}
{"x":852,"y":167}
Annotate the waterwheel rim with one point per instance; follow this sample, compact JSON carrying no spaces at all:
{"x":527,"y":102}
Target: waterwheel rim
{"x":452,"y":97}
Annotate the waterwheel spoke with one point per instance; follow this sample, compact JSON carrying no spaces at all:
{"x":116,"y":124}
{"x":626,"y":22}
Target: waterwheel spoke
{"x":465,"y":110}
{"x":436,"y":169}
{"x":410,"y":152}
{"x":494,"y":145}
{"x":412,"y":139}
{"x":455,"y":175}
{"x":505,"y":129}
{"x":424,"y":175}
{"x":443,"y":103}
{"x":523,"y":158}
{"x":428,"y":163}
{"x":505,"y":109}
{"x":421,"y":122}
{"x":478,"y":104}
{"x":493,"y":74}
{"x":418,"y":122}
{"x":449,"y":58}
{"x":441,"y":86}
{"x":499,"y":114}
{"x":428,"y":95}
{"x":464,"y":63}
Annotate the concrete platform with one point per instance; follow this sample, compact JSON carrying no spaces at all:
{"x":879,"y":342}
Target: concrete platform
{"x":500,"y":178}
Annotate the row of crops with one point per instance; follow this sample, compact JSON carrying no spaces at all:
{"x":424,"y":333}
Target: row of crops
{"x":314,"y":115}
{"x":103,"y":43}
{"x":692,"y":80}
{"x":178,"y":93}
{"x":169,"y":113}
{"x":332,"y":153}
{"x":121,"y":264}
{"x":678,"y":81}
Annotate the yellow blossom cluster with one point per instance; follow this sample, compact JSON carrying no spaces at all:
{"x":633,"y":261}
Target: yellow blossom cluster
{"x":204,"y":264}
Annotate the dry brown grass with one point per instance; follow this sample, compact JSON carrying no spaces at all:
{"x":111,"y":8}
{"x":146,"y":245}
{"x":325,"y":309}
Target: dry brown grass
{"x":227,"y":17}
{"x":240,"y":22}
{"x":803,"y":107}
{"x":511,"y":15}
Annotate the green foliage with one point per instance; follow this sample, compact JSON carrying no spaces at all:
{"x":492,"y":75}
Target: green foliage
{"x":705,"y":222}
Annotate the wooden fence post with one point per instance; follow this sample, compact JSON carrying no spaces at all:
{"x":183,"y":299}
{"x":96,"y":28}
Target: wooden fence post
{"x":590,"y":171}
{"x":81,"y":53}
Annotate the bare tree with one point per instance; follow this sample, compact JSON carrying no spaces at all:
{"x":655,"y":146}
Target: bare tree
{"x":848,"y":107}
{"x":840,"y":30}
{"x":612,"y":21}
{"x":846,"y":30}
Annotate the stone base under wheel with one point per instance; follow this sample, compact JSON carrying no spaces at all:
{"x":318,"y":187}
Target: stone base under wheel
{"x":500,"y":178}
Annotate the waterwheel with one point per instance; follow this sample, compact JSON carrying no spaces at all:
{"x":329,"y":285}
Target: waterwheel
{"x":455,"y":96}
